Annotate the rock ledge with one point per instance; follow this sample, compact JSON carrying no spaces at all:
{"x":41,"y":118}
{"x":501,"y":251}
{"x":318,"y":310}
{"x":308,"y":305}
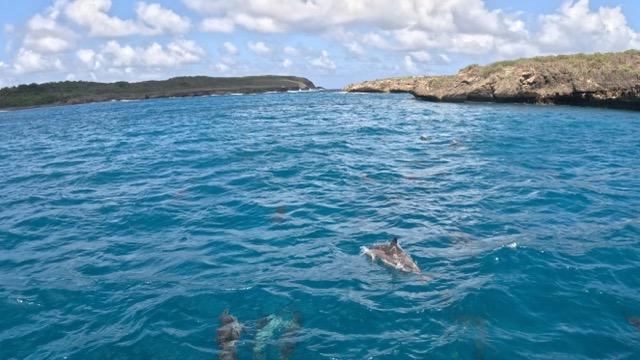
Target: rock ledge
{"x":600,"y":80}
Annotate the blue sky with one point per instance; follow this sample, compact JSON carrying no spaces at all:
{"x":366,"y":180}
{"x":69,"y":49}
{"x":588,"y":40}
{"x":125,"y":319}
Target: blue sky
{"x":331,"y":42}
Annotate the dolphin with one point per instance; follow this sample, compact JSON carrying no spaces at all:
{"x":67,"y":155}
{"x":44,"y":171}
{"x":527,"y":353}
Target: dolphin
{"x":278,"y":327}
{"x":288,"y":341}
{"x":392,"y":255}
{"x":227,"y":334}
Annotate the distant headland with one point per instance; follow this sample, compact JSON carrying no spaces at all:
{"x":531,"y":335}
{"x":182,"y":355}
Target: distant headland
{"x":78,"y":92}
{"x":600,"y":80}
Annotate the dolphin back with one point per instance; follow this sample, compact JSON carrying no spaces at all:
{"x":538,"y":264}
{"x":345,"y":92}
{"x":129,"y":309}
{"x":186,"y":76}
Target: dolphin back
{"x":226,"y":335}
{"x":391,"y":254}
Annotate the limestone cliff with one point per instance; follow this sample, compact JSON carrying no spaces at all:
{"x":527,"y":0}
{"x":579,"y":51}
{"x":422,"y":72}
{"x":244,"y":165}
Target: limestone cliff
{"x":602,"y":80}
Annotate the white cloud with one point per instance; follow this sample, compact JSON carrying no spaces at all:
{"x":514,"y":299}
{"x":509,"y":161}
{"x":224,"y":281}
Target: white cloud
{"x":365,"y":27}
{"x":201,"y":6}
{"x":222,"y":67}
{"x":355,"y":49}
{"x":376,"y":37}
{"x":56,"y":9}
{"x":46,"y":44}
{"x":93,"y":14}
{"x":258,"y":47}
{"x":44,"y":38}
{"x":311,"y":16}
{"x":5,"y":70}
{"x":161,"y":19}
{"x":260,"y":24}
{"x":291,"y":51}
{"x":29,"y":61}
{"x":416,"y":40}
{"x":88,"y":57}
{"x":516,"y":49}
{"x":416,"y":61}
{"x":472,"y":43}
{"x":421,"y":56}
{"x":575,"y":28}
{"x":229,"y":48}
{"x":152,"y":19}
{"x":119,"y":56}
{"x":183,"y":51}
{"x":323,"y":62}
{"x":458,"y":16}
{"x":409,"y":65}
{"x":226,"y":65}
{"x":45,"y":35}
{"x":224,"y":25}
{"x":360,"y":26}
{"x":175,"y":53}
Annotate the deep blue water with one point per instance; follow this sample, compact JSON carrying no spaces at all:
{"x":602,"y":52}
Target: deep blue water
{"x":126,"y":228}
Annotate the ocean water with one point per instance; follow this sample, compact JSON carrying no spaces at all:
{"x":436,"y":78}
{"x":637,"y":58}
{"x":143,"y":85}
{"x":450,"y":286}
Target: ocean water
{"x":127,"y":228}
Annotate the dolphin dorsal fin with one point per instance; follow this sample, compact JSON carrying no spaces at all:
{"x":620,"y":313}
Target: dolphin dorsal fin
{"x":394,"y":242}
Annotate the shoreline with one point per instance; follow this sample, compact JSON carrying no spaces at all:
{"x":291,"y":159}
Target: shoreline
{"x":79,"y":92}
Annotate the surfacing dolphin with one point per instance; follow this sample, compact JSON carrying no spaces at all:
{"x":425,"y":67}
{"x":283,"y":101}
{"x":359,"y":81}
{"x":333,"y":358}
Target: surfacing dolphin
{"x":226,"y":335}
{"x":392,"y":255}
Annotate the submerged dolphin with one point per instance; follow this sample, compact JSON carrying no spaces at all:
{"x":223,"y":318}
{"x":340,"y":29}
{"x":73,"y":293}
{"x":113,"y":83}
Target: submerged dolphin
{"x":287,"y":339}
{"x":227,"y":334}
{"x":392,"y":255}
{"x":279,"y":327}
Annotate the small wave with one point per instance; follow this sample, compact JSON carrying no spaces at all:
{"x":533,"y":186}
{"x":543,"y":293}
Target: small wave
{"x":255,"y":207}
{"x":303,"y":91}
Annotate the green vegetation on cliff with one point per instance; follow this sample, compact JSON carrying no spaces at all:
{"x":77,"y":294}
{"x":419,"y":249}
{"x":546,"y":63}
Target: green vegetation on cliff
{"x":579,"y":64}
{"x":75,"y":92}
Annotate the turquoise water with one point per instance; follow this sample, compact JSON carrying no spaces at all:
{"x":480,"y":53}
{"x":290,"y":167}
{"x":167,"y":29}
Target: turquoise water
{"x":126,"y":228}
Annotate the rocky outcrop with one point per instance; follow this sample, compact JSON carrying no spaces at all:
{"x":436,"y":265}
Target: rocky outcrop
{"x":600,"y":80}
{"x":397,"y":84}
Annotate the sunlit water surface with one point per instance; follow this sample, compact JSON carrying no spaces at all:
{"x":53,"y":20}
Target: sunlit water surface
{"x":126,"y":228}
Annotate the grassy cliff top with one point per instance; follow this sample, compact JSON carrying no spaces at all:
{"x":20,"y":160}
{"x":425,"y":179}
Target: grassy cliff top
{"x":606,"y":67}
{"x":73,"y":92}
{"x":627,"y":62}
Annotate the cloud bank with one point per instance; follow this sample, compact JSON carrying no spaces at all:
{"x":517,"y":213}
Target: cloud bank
{"x":332,"y":39}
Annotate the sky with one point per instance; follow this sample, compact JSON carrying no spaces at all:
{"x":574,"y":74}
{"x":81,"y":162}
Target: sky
{"x":330,"y":42}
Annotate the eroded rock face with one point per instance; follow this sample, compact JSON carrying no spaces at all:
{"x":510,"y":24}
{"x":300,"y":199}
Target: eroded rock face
{"x":601,"y":80}
{"x":398,"y":84}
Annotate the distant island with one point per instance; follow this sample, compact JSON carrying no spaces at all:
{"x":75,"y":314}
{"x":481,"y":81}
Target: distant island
{"x":78,"y":92}
{"x":600,"y":80}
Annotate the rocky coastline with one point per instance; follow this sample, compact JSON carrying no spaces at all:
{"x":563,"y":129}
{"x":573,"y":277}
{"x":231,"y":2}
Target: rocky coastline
{"x":610,"y":80}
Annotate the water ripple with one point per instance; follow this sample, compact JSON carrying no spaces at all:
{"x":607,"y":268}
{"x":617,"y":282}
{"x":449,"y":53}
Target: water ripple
{"x":127,"y":227}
